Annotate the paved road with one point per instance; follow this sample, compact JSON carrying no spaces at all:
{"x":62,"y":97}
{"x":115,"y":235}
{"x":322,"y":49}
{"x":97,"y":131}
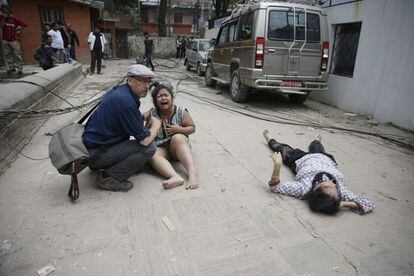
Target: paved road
{"x":232,"y":224}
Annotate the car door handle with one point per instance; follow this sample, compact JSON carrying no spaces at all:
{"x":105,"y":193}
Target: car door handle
{"x":271,"y":50}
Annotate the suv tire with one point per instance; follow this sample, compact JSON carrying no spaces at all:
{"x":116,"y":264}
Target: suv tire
{"x":238,"y":91}
{"x":298,"y":99}
{"x":187,"y":65}
{"x":199,"y":72}
{"x":208,"y":75}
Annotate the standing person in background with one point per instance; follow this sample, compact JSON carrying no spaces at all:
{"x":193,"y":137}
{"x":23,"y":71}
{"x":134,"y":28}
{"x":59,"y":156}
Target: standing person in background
{"x":183,"y":46}
{"x":47,"y":59}
{"x":11,"y":27}
{"x":149,"y":49}
{"x":66,"y":39}
{"x":96,"y":42}
{"x":46,"y":29}
{"x":178,"y":45}
{"x":73,"y":40}
{"x":57,"y":42}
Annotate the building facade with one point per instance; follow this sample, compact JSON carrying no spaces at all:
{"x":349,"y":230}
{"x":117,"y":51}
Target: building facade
{"x":371,"y":60}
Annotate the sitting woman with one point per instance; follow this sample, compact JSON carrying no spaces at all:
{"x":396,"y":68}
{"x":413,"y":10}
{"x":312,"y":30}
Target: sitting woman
{"x":172,"y":139}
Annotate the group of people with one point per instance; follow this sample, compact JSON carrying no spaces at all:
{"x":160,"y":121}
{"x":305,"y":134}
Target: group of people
{"x":181,"y":44}
{"x":161,"y":135}
{"x":59,"y":43}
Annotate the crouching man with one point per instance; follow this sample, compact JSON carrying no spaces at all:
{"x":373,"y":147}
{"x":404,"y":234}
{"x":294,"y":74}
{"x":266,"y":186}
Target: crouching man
{"x":108,"y":131}
{"x":317,"y":178}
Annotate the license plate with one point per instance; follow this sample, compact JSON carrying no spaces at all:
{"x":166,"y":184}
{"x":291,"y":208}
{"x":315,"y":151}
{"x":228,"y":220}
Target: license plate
{"x":292,"y":83}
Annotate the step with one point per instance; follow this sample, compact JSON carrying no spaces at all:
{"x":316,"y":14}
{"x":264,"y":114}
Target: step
{"x":221,"y":81}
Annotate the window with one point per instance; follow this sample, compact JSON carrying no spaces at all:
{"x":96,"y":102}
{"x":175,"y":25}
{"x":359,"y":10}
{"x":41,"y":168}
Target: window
{"x":178,"y":18}
{"x":282,"y":23}
{"x":144,"y":15}
{"x":50,"y":14}
{"x":345,"y":49}
{"x":232,"y":31}
{"x":245,"y":27}
{"x":204,"y":46}
{"x":223,"y":35}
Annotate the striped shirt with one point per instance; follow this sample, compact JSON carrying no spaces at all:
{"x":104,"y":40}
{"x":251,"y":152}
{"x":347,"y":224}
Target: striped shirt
{"x":307,"y":168}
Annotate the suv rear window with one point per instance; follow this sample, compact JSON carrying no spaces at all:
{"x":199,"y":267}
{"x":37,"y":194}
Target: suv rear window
{"x":281,"y":26}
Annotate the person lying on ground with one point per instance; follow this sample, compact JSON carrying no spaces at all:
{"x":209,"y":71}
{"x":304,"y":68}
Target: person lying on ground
{"x":172,"y":139}
{"x":107,"y":133}
{"x":317,"y":178}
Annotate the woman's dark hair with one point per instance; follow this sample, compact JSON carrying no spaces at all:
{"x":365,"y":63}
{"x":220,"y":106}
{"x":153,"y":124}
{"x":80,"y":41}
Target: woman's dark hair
{"x":157,"y":88}
{"x":323,"y":203}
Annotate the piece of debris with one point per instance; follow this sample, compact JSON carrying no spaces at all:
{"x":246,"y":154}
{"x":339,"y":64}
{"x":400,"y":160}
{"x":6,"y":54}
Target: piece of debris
{"x":5,"y":247}
{"x":168,"y":224}
{"x":45,"y":270}
{"x":223,"y":190}
{"x":350,"y":114}
{"x":311,"y":128}
{"x":299,"y":133}
{"x":50,"y":173}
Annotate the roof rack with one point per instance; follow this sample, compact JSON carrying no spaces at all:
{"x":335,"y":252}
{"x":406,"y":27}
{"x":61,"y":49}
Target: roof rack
{"x":240,"y":7}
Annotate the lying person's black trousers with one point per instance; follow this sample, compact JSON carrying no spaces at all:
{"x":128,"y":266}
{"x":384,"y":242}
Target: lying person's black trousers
{"x":290,"y":155}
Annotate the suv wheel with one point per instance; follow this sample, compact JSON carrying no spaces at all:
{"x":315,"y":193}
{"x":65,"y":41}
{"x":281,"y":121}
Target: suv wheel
{"x":208,"y":75}
{"x":187,"y":66}
{"x":238,"y":91}
{"x":199,"y":72}
{"x":298,"y":99}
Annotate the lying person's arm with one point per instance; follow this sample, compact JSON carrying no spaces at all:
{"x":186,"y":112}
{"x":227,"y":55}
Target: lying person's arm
{"x":277,"y":160}
{"x":348,"y":205}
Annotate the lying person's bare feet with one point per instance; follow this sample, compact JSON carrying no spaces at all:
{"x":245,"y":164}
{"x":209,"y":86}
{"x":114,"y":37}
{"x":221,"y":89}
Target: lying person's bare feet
{"x":266,"y":135}
{"x":192,"y":182}
{"x":174,"y":181}
{"x":319,"y":137}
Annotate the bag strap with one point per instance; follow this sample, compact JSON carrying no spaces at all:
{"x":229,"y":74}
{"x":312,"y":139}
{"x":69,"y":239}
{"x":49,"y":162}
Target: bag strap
{"x":74,"y":187}
{"x":89,"y":113}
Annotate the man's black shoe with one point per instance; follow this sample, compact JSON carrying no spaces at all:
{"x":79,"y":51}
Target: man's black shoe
{"x":112,"y":184}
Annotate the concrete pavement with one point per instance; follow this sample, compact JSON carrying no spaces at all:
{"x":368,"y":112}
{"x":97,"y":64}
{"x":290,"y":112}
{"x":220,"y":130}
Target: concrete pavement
{"x":232,"y":224}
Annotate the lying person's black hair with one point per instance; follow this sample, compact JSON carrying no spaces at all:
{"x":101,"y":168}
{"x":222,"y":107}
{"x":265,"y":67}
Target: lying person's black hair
{"x":323,"y":203}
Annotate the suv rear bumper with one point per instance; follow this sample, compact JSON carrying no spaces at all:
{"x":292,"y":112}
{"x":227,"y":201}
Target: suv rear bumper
{"x":278,"y":84}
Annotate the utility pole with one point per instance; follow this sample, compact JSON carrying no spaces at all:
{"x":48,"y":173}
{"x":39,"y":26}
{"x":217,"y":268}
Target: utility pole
{"x":138,"y":17}
{"x":169,"y":18}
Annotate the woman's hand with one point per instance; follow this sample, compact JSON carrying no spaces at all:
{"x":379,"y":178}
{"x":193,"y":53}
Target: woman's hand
{"x":277,"y":158}
{"x":172,"y":129}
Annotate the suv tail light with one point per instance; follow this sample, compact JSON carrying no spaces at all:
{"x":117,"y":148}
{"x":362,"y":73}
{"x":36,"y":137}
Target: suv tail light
{"x":258,"y":61}
{"x":325,"y":56}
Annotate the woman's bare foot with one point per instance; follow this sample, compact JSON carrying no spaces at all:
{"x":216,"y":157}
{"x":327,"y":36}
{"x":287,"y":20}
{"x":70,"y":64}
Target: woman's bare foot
{"x":266,"y":135}
{"x":192,"y":182}
{"x":174,"y":181}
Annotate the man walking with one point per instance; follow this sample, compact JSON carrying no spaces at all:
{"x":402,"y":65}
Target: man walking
{"x":73,"y":40}
{"x":178,"y":46}
{"x":11,"y":27}
{"x":108,"y":131}
{"x":149,"y":49}
{"x":96,"y":42}
{"x":57,"y":42}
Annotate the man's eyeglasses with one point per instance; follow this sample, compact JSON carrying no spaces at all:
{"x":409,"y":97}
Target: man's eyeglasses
{"x":144,"y":81}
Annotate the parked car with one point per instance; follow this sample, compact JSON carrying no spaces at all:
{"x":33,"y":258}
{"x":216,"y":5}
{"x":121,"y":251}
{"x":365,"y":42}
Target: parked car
{"x":282,"y":47}
{"x":196,"y":54}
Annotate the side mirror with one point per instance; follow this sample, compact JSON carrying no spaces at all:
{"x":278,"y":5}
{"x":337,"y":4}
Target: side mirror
{"x":213,"y":41}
